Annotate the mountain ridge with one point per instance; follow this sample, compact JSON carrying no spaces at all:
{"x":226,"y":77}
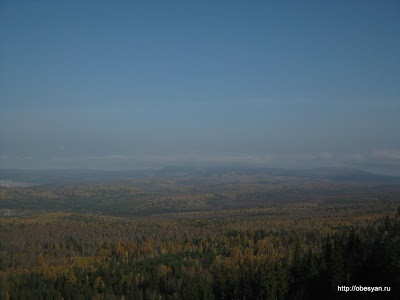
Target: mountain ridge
{"x":335,"y":174}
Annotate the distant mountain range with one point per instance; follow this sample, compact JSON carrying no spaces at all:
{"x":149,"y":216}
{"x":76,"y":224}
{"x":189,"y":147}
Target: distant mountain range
{"x":19,"y":177}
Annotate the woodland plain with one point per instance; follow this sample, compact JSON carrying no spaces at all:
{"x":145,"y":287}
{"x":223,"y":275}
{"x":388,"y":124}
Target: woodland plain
{"x":202,"y":234}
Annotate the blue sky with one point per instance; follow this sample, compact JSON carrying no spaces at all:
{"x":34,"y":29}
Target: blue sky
{"x":137,"y":84}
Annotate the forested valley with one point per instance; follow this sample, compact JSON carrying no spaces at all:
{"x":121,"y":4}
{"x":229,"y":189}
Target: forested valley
{"x":231,"y":237}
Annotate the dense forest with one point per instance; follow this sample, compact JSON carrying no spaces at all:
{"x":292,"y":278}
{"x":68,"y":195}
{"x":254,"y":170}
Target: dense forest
{"x":179,"y":240}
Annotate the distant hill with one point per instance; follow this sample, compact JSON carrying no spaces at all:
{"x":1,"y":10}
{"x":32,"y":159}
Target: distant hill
{"x":338,"y":174}
{"x":17,"y":177}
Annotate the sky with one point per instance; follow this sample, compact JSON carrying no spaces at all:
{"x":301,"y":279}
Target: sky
{"x":146,"y":84}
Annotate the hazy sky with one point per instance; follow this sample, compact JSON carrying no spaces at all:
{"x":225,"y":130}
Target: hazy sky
{"x":135,"y":84}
